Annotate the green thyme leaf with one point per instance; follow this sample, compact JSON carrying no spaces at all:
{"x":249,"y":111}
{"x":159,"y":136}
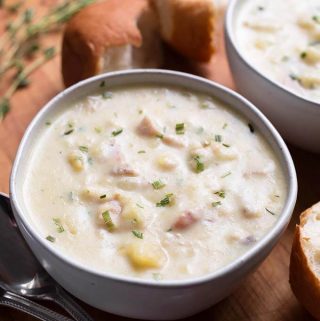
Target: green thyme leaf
{"x":58,"y":224}
{"x":180,"y":129}
{"x":199,"y":165}
{"x":117,"y":132}
{"x":221,"y":193}
{"x":215,"y":204}
{"x":84,"y":149}
{"x":50,"y":238}
{"x":165,"y":201}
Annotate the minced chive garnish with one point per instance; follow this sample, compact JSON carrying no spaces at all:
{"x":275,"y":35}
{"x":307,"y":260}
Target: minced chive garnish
{"x":316,"y":19}
{"x":180,"y":129}
{"x":139,"y":205}
{"x":107,"y":220}
{"x":218,"y":138}
{"x":158,"y":184}
{"x":215,"y":204}
{"x":226,"y":145}
{"x":68,"y":132}
{"x":102,"y":84}
{"x":103,"y":196}
{"x":251,"y":128}
{"x":84,"y":149}
{"x":58,"y":224}
{"x":117,"y":132}
{"x":50,"y":238}
{"x":159,"y":136}
{"x":225,"y":125}
{"x":303,"y":55}
{"x":272,"y":213}
{"x":165,"y":201}
{"x":221,"y":193}
{"x":48,"y":123}
{"x":225,"y":175}
{"x":107,"y":95}
{"x":141,"y":152}
{"x":199,"y":165}
{"x":137,"y":234}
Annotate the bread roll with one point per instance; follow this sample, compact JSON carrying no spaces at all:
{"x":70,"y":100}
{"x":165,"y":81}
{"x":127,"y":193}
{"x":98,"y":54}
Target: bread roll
{"x":110,"y":35}
{"x":305,"y":261}
{"x":188,"y":26}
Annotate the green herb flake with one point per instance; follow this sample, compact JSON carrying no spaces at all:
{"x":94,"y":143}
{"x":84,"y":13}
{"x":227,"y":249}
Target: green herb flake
{"x":27,"y":15}
{"x":141,"y":152}
{"x":225,"y":175}
{"x":107,"y":95}
{"x":48,"y":123}
{"x":270,"y":212}
{"x":225,"y":125}
{"x":158,"y":184}
{"x":294,"y":77}
{"x":137,"y":234}
{"x":58,"y":224}
{"x":215,"y":204}
{"x":107,"y":220}
{"x":221,"y":193}
{"x":102,"y":84}
{"x":199,"y":165}
{"x":49,"y":53}
{"x":103,"y":196}
{"x":170,"y":229}
{"x":98,"y":130}
{"x":157,"y":276}
{"x":165,"y":201}
{"x":303,"y":55}
{"x":180,"y":128}
{"x":50,"y":238}
{"x":159,"y":136}
{"x":226,"y":145}
{"x":139,"y":205}
{"x":199,"y":130}
{"x":204,"y":105}
{"x":218,"y":138}
{"x":316,"y":19}
{"x":68,"y":132}
{"x":117,"y":132}
{"x":23,"y":81}
{"x":84,"y":149}
{"x":251,"y":128}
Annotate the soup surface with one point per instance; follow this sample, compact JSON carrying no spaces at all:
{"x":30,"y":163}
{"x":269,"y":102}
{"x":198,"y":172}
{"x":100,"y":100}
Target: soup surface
{"x":152,"y":182}
{"x":282,"y":40}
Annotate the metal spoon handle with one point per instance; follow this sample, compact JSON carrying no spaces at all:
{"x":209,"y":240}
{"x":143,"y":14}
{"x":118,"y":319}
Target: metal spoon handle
{"x":27,"y":306}
{"x":62,"y":298}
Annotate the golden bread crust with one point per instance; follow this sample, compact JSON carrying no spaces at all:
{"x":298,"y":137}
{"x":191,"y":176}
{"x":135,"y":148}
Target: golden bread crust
{"x":95,"y":28}
{"x":304,"y":282}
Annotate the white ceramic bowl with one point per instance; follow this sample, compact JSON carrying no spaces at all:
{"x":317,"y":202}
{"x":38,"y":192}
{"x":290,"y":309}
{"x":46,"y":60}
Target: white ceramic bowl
{"x":296,"y":118}
{"x":147,"y":299}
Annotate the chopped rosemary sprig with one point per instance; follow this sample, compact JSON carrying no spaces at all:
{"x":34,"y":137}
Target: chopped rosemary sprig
{"x":158,"y":184}
{"x":137,"y":234}
{"x":117,"y":132}
{"x":180,"y":129}
{"x":107,"y":220}
{"x":165,"y":201}
{"x":58,"y":224}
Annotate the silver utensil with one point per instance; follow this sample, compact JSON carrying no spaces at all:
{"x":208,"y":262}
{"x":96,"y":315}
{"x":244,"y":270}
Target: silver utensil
{"x":22,"y":274}
{"x":34,"y":309}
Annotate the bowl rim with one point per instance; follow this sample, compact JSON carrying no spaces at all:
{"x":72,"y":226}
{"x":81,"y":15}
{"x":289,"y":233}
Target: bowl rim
{"x":277,"y":229}
{"x":229,"y":35}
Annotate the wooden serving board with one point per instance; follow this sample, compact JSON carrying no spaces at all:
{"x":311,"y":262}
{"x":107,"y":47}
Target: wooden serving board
{"x":266,"y":294}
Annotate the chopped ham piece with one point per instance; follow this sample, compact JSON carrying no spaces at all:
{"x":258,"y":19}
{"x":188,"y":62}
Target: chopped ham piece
{"x":173,"y":141}
{"x":186,"y":220}
{"x":147,"y":128}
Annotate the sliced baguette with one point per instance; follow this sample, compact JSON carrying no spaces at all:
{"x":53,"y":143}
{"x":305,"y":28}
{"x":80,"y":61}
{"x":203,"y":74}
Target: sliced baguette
{"x":188,"y":26}
{"x":305,"y":261}
{"x":110,"y":35}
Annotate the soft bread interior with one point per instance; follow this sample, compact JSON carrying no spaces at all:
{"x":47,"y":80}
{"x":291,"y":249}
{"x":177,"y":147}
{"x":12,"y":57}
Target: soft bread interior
{"x":310,"y":238}
{"x":148,"y":55}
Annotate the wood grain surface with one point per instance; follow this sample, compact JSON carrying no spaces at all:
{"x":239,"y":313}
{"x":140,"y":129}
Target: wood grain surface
{"x":266,"y":294}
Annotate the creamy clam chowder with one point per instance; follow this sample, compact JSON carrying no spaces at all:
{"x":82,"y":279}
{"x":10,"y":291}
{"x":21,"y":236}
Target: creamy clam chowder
{"x":282,"y":40}
{"x":152,"y":182}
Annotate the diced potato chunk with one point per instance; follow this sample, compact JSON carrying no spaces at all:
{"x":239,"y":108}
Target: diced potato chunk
{"x":143,"y":255}
{"x":76,"y":161}
{"x":133,"y":214}
{"x":311,"y":55}
{"x":309,"y":81}
{"x":224,"y":153}
{"x":167,"y":162}
{"x":95,"y":194}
